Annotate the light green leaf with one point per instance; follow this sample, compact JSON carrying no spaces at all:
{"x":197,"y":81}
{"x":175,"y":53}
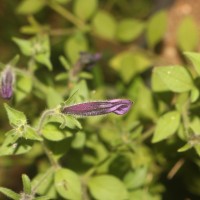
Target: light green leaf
{"x":104,"y":25}
{"x":185,"y":147}
{"x":166,"y":126}
{"x":195,"y":59}
{"x":79,"y":140}
{"x":129,"y":29}
{"x":16,"y":118}
{"x":85,"y":10}
{"x":176,"y":78}
{"x":74,"y":45}
{"x":43,"y":198}
{"x":26,"y":184}
{"x":9,"y":193}
{"x":31,"y":134}
{"x":68,"y":184}
{"x":53,"y":98}
{"x":128,"y":64}
{"x":135,"y":179}
{"x":52,"y":132}
{"x":30,"y":6}
{"x":194,"y":94}
{"x":156,"y":28}
{"x":187,"y":34}
{"x":13,"y":145}
{"x":46,"y":184}
{"x":107,"y":187}
{"x":65,"y":63}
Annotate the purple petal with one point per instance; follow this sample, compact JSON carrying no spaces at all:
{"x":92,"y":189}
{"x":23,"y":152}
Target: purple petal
{"x":117,"y":106}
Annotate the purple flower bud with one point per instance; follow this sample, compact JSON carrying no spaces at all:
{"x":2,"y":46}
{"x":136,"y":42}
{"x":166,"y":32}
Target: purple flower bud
{"x":117,"y":106}
{"x":6,"y":81}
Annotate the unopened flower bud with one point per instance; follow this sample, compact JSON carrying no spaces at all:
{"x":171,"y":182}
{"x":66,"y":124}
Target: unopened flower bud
{"x":6,"y":82}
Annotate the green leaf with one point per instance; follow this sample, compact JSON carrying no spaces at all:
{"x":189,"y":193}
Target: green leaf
{"x":135,"y":179}
{"x":195,"y":59}
{"x":43,"y":198}
{"x":194,"y":95}
{"x":68,"y":184}
{"x":24,"y":87}
{"x":156,"y":28}
{"x":166,"y":126}
{"x":128,"y":64}
{"x":26,"y":184}
{"x":85,"y":10}
{"x":185,"y":147}
{"x":31,"y":134}
{"x":53,"y":98}
{"x":54,"y":133}
{"x":104,"y":19}
{"x":79,"y":140}
{"x":74,"y":45}
{"x":129,"y":29}
{"x":9,"y":193}
{"x":176,"y":78}
{"x":13,"y":145}
{"x":187,"y":34}
{"x":16,"y":118}
{"x":65,"y":63}
{"x":107,"y":187}
{"x":30,"y":6}
{"x":44,"y":184}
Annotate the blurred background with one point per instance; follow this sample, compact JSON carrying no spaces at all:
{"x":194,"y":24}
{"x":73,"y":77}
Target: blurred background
{"x":132,"y":37}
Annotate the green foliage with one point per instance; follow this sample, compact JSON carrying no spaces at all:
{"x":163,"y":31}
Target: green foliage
{"x":108,"y":157}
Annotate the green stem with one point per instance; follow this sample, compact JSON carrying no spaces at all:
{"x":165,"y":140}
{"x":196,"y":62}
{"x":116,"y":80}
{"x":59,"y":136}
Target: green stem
{"x":67,"y":15}
{"x":186,"y":120}
{"x":147,"y":134}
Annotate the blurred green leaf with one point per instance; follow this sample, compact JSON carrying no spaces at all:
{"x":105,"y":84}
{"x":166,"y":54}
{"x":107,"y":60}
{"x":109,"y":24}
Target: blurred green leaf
{"x":128,"y":64}
{"x":11,"y":146}
{"x":187,"y":34}
{"x":104,"y":25}
{"x":68,"y":184}
{"x":44,"y":185}
{"x":195,"y":59}
{"x":52,"y":132}
{"x":135,"y":179}
{"x":74,"y":45}
{"x":194,"y":95}
{"x":24,"y":87}
{"x":166,"y":126}
{"x":176,"y":78}
{"x":53,"y":98}
{"x":156,"y":28}
{"x":65,"y":63}
{"x":185,"y":147}
{"x":9,"y":193}
{"x":143,"y":194}
{"x":16,"y":118}
{"x":107,"y":187}
{"x":85,"y":10}
{"x":79,"y":140}
{"x":30,"y":6}
{"x":129,"y":29}
{"x":26,"y":184}
{"x":31,"y":134}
